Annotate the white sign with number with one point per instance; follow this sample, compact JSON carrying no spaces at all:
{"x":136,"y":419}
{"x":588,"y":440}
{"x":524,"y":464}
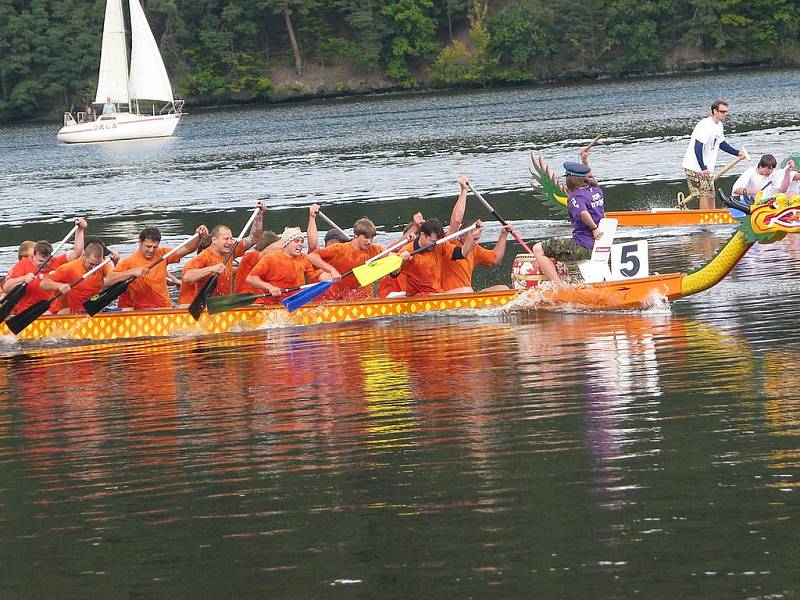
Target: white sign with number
{"x":629,"y":260}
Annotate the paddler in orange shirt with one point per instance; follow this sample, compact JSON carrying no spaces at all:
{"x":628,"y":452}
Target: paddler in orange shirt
{"x":457,"y":274}
{"x":346,"y":256}
{"x":210,"y":261}
{"x":423,"y":271}
{"x":269,"y":242}
{"x":23,"y":271}
{"x":288,"y":268}
{"x":394,"y":285}
{"x":60,"y":279}
{"x":149,"y":289}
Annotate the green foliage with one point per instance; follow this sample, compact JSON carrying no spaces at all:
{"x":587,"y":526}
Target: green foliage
{"x":245,"y":75}
{"x":335,"y":49}
{"x":49,"y":56}
{"x":636,"y":26}
{"x":523,"y":38}
{"x":457,"y":63}
{"x":412,"y":35}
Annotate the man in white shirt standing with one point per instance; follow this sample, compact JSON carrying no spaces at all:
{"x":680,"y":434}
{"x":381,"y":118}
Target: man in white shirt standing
{"x":700,"y":159}
{"x":109,"y":107}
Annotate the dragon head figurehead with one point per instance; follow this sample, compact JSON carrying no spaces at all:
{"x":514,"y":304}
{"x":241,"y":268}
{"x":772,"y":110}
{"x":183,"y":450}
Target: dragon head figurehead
{"x":771,"y":219}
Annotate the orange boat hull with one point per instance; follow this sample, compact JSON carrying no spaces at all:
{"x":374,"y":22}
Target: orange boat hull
{"x":611,"y":295}
{"x":125,"y":325}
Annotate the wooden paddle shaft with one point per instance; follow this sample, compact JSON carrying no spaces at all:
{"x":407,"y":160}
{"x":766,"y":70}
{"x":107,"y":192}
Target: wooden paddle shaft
{"x":594,"y":141}
{"x":729,"y":166}
{"x":332,"y":224}
{"x":247,"y":225}
{"x":173,"y":251}
{"x":43,"y":264}
{"x":446,"y":238}
{"x":389,"y":250}
{"x":488,"y":206}
{"x":685,"y":199}
{"x":231,"y":252}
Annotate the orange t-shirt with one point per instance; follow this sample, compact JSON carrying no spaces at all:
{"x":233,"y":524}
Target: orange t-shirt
{"x":71,"y":272}
{"x":391,"y":284}
{"x":249,"y":260}
{"x":149,"y":291}
{"x":343,"y":258}
{"x":458,"y":273}
{"x":283,"y":271}
{"x":424,"y":270}
{"x":33,"y":292}
{"x":208,"y":258}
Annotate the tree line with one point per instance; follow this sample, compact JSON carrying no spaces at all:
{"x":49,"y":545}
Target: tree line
{"x":222,"y":50}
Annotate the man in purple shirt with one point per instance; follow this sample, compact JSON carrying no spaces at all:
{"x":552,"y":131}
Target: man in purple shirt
{"x":586,"y":206}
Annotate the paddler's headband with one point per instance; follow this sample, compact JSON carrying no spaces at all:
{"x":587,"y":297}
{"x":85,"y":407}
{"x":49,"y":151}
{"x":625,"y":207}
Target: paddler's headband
{"x":577,"y":169}
{"x":289,"y":234}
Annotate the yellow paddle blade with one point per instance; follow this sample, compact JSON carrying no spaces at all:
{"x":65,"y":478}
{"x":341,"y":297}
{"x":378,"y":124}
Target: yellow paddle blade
{"x":371,"y":272}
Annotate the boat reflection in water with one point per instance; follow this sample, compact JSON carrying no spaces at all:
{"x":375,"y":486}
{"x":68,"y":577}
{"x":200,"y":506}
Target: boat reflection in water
{"x":377,"y":382}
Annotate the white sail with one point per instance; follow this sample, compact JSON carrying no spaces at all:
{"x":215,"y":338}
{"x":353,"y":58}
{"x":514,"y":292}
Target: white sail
{"x":113,"y":79}
{"x":148,"y":79}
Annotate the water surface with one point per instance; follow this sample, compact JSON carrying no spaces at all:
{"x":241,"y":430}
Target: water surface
{"x":515,"y":453}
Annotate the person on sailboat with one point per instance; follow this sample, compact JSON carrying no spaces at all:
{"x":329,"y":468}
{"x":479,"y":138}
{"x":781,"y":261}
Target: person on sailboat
{"x":88,"y":114}
{"x":109,"y":106}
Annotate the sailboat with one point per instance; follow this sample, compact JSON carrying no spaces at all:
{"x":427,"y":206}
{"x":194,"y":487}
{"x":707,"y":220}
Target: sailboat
{"x":146,"y":83}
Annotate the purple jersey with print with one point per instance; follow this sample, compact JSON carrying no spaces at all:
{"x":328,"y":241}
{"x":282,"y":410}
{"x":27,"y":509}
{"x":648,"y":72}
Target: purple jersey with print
{"x":588,"y":199}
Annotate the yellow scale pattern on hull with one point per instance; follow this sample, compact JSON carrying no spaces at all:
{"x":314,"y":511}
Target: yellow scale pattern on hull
{"x":162,"y":323}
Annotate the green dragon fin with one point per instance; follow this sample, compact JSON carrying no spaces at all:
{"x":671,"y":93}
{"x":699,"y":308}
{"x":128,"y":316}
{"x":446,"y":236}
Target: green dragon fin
{"x":546,"y":188}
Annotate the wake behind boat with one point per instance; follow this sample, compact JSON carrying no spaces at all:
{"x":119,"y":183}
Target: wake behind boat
{"x":145,"y":84}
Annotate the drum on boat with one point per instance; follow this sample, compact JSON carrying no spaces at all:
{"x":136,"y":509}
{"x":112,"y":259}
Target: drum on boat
{"x":525,"y":272}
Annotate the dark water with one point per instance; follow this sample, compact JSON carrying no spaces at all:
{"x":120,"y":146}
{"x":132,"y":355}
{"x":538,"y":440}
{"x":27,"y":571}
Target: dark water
{"x":526,"y":453}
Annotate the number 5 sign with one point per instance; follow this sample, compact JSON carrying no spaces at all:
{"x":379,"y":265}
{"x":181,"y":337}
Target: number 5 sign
{"x":629,"y":260}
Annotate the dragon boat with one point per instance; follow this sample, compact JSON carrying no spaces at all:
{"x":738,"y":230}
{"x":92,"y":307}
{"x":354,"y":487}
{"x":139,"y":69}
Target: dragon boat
{"x":548,"y":191}
{"x":767,"y":223}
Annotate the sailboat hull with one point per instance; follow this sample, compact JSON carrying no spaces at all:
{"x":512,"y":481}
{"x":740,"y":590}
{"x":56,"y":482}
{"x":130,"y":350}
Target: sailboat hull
{"x":120,"y":126}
